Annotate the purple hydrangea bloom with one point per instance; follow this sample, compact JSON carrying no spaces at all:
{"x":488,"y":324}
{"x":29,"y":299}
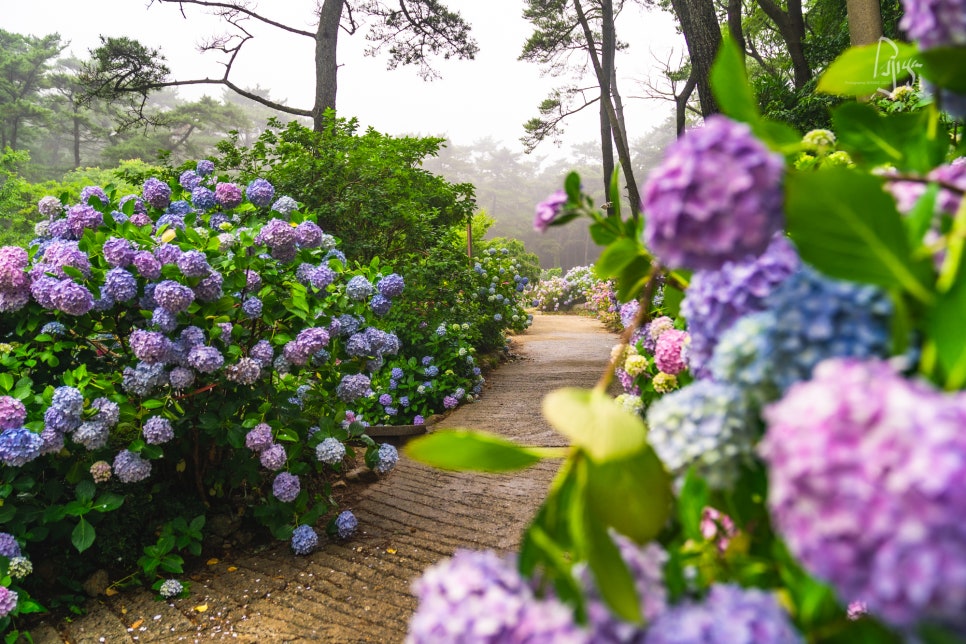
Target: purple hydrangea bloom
{"x":71,"y":298}
{"x":396,"y":373}
{"x":169,"y":222}
{"x":705,"y":424}
{"x":379,"y":305}
{"x":262,"y":352}
{"x":193,"y":263}
{"x":192,"y":337}
{"x":228,"y":195}
{"x":391,"y":286}
{"x":157,"y":193}
{"x":205,"y":359}
{"x":259,"y":438}
{"x":82,"y":217}
{"x":321,"y":277}
{"x":139,"y":206}
{"x":387,"y":457}
{"x":181,"y":378}
{"x":13,"y":413}
{"x":50,"y":207}
{"x":306,"y":343}
{"x":330,"y":451}
{"x":205,"y":167}
{"x":728,"y":615}
{"x":715,"y":300}
{"x":149,"y":346}
{"x":108,"y":411}
{"x":209,"y":288}
{"x":280,"y":238}
{"x":273,"y":457}
{"x":935,"y":23}
{"x":450,"y":402}
{"x":202,"y":198}
{"x":304,"y":540}
{"x":179,"y":209}
{"x":866,"y":484}
{"x":252,"y":307}
{"x":246,"y":371}
{"x":349,"y":324}
{"x":13,"y":263}
{"x":164,"y":320}
{"x":41,"y":288}
{"x":120,"y":285}
{"x":286,"y":487}
{"x":157,"y":430}
{"x":93,"y":191}
{"x":9,"y":547}
{"x":68,"y":399}
{"x":716,"y":197}
{"x":285,"y":205}
{"x":140,"y":219}
{"x":260,"y":192}
{"x":130,"y":467}
{"x":346,"y":524}
{"x":419,"y":420}
{"x":8,"y":601}
{"x":548,"y":210}
{"x":144,"y":378}
{"x":352,"y":387}
{"x":385,"y":399}
{"x":118,"y":252}
{"x":92,"y":435}
{"x":189,"y":180}
{"x":432,"y":371}
{"x":359,"y":288}
{"x":308,"y":234}
{"x":65,"y":253}
{"x":147,"y":264}
{"x":481,"y":597}
{"x":18,"y":446}
{"x":173,"y":296}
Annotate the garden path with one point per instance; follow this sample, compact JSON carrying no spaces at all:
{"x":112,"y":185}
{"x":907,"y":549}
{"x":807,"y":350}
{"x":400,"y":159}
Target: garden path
{"x":358,"y":591}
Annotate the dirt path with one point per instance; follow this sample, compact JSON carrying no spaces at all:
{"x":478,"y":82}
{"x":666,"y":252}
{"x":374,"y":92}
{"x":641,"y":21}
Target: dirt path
{"x":359,"y":591}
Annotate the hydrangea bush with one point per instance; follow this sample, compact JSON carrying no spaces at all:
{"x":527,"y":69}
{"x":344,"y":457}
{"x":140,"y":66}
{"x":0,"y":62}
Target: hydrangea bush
{"x":804,"y":478}
{"x":562,"y":293}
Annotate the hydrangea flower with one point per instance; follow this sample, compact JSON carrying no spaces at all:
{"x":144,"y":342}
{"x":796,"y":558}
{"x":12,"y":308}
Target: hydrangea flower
{"x":118,"y":252}
{"x":259,"y":438}
{"x":285,"y":205}
{"x":9,"y":547}
{"x":13,"y":413}
{"x":716,"y":197}
{"x":359,"y":288}
{"x":481,"y":597}
{"x":262,"y":353}
{"x":380,"y":305}
{"x":308,"y":235}
{"x":202,"y":198}
{"x":157,"y":193}
{"x":20,"y":567}
{"x":101,"y":471}
{"x":330,"y":451}
{"x":205,"y":167}
{"x":82,"y":217}
{"x":50,"y":207}
{"x":273,"y":457}
{"x":252,"y":307}
{"x":144,"y":378}
{"x":246,"y":371}
{"x":304,"y":540}
{"x":173,"y":296}
{"x":193,"y":263}
{"x":260,"y":192}
{"x":548,"y":210}
{"x":934,"y":23}
{"x":867,"y":488}
{"x":157,"y":430}
{"x":149,"y":346}
{"x":131,"y":468}
{"x":387,"y":457}
{"x":228,"y":195}
{"x":209,"y":288}
{"x":189,"y":180}
{"x":706,"y":424}
{"x":71,"y":298}
{"x":280,"y":238}
{"x":147,"y":264}
{"x":670,"y":353}
{"x":391,"y":286}
{"x":92,"y":435}
{"x":8,"y":601}
{"x":68,"y":399}
{"x":353,"y":386}
{"x":19,"y":446}
{"x":205,"y":359}
{"x":93,"y":191}
{"x":171,"y":588}
{"x":286,"y":487}
{"x":728,"y":615}
{"x":346,"y":524}
{"x":715,"y":300}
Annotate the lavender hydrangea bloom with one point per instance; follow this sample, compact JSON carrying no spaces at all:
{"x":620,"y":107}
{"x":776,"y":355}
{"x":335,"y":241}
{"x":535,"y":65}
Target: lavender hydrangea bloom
{"x":120,"y":285}
{"x":260,"y":192}
{"x":349,"y":324}
{"x":273,"y":457}
{"x":481,"y":597}
{"x":193,"y":263}
{"x":246,"y":371}
{"x":147,"y":264}
{"x":65,"y":253}
{"x":706,"y":424}
{"x":82,"y":217}
{"x":202,"y":198}
{"x":181,"y":378}
{"x":171,"y":588}
{"x":144,"y":378}
{"x":346,"y":524}
{"x":108,"y":412}
{"x":352,"y":387}
{"x":391,"y":286}
{"x":131,"y":468}
{"x":13,"y":262}
{"x":262,"y":352}
{"x":286,"y":487}
{"x":8,"y":601}
{"x":205,"y":359}
{"x":92,"y":435}
{"x":189,"y":180}
{"x":449,"y":402}
{"x":252,"y":307}
{"x":934,"y":23}
{"x":280,"y":238}
{"x":9,"y":547}
{"x":715,"y":300}
{"x":118,"y":252}
{"x":93,"y":191}
{"x":50,"y":207}
{"x":259,"y":438}
{"x":13,"y":413}
{"x":383,"y":343}
{"x":285,"y":205}
{"x":308,"y":234}
{"x":548,"y":210}
{"x":228,"y":195}
{"x":304,"y":540}
{"x":359,"y":288}
{"x":149,"y":346}
{"x":380,"y":305}
{"x":205,"y":167}
{"x":728,"y":615}
{"x":209,"y":288}
{"x":164,"y":320}
{"x":330,"y":451}
{"x":716,"y":197}
{"x":867,"y":488}
{"x":19,"y":446}
{"x":157,"y":430}
{"x":387,"y":457}
{"x":71,"y":298}
{"x":157,"y":193}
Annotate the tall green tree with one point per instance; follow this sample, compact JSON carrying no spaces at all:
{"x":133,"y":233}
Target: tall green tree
{"x":411,"y":32}
{"x":24,"y":63}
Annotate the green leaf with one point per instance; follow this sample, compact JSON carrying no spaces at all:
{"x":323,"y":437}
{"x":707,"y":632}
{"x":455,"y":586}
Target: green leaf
{"x":944,"y":67}
{"x":919,"y":219}
{"x":633,"y":277}
{"x":945,"y":329}
{"x":83,"y":535}
{"x":572,"y":187}
{"x":614,"y":580}
{"x":85,"y":490}
{"x":458,"y":449}
{"x":631,"y":495}
{"x":108,"y":501}
{"x":846,"y":225}
{"x":860,"y":71}
{"x":152,"y":403}
{"x":617,"y":256}
{"x":910,"y":141}
{"x":6,"y":381}
{"x":70,"y":271}
{"x":729,"y":83}
{"x":693,"y":499}
{"x":595,"y":423}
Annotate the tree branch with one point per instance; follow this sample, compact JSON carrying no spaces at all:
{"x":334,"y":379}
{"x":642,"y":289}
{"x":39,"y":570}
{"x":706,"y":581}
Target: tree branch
{"x":235,"y":7}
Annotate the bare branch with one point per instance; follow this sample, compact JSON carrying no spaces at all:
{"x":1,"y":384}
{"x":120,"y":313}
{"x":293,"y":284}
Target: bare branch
{"x":235,"y":7}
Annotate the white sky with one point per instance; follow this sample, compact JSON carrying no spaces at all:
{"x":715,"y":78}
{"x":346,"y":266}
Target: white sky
{"x":491,"y":96}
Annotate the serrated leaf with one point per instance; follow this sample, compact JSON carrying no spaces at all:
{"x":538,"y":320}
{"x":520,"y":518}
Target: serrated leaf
{"x":595,"y":423}
{"x":83,"y":535}
{"x":463,"y":450}
{"x":860,"y":71}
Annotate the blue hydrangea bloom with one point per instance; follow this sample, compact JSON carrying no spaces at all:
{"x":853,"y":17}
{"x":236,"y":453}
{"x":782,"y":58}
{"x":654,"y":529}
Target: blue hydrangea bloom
{"x":304,"y":540}
{"x":260,"y":192}
{"x":388,"y":456}
{"x":171,"y":587}
{"x":19,"y":446}
{"x":346,"y":524}
{"x":330,"y":451}
{"x":359,"y":288}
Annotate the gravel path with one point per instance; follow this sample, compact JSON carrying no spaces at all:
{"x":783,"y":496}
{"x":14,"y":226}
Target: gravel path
{"x":359,"y":591}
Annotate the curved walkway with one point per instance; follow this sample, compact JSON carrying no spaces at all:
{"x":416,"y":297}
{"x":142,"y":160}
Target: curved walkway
{"x":359,"y":591}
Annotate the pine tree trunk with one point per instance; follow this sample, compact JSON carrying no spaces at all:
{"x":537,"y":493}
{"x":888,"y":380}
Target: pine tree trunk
{"x":326,"y":63}
{"x":703,"y":37}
